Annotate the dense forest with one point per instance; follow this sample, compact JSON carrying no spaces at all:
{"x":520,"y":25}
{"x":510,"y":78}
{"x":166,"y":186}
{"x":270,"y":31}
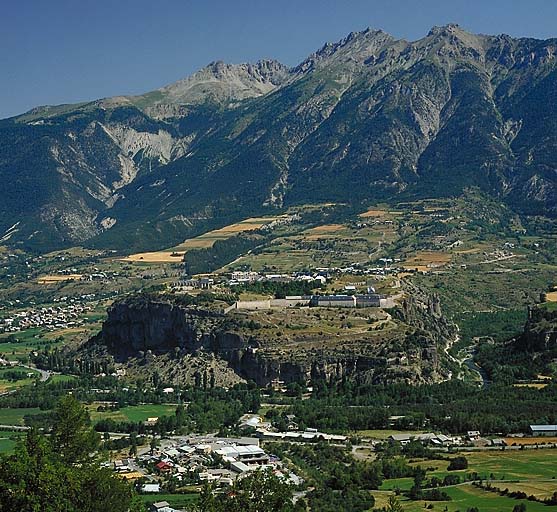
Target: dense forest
{"x":452,"y":407}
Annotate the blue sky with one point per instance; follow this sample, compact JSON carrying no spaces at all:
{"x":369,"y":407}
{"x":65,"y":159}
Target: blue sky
{"x":62,"y":51}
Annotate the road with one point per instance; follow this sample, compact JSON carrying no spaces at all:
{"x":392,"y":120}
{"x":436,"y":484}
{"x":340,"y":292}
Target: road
{"x":45,"y":374}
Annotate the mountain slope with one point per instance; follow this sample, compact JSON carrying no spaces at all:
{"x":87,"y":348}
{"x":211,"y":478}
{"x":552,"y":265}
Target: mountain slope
{"x":364,"y":119}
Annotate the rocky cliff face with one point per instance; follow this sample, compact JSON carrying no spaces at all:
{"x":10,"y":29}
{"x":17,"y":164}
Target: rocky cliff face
{"x":179,"y":341}
{"x":367,"y":118}
{"x":540,"y":332}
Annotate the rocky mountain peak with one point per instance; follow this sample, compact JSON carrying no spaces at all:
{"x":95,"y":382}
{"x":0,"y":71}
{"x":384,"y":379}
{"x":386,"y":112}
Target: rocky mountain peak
{"x":224,"y":83}
{"x":445,"y":30}
{"x":355,"y":49}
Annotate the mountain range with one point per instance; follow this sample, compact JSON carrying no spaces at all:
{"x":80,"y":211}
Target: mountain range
{"x":369,"y":118}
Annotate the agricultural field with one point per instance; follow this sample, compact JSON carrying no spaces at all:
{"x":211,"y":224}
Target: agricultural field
{"x":175,"y":254}
{"x":38,"y":339}
{"x":531,"y":471}
{"x":425,"y":261}
{"x":132,"y":413}
{"x":9,"y":384}
{"x":15,"y":416}
{"x":467,"y":496}
{"x":49,"y":279}
{"x":551,"y":296}
{"x":23,"y":343}
{"x":384,"y":434}
{"x":328,"y":245}
{"x":530,"y":441}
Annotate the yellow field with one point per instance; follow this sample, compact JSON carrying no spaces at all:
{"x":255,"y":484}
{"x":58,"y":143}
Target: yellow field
{"x":540,"y":490}
{"x":427,"y":260}
{"x":175,"y":254}
{"x":527,"y":441}
{"x":324,"y":231}
{"x":373,"y":213}
{"x":65,"y":332}
{"x":535,"y":385}
{"x":551,"y":296}
{"x":58,"y":278}
{"x":155,"y":257}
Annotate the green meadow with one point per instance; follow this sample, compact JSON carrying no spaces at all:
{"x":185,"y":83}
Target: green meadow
{"x":15,"y":416}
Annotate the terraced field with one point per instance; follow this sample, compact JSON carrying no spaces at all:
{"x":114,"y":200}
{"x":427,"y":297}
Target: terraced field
{"x":175,"y":254}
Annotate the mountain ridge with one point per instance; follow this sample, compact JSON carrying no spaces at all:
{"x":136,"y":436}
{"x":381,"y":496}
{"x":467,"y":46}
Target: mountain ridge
{"x":365,"y":119}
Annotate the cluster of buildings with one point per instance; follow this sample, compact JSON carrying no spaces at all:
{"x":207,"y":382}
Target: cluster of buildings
{"x":472,"y":438}
{"x":241,"y":277}
{"x":200,"y":459}
{"x":427,"y":438}
{"x":48,"y":318}
{"x":265,"y":431}
{"x":370,"y":300}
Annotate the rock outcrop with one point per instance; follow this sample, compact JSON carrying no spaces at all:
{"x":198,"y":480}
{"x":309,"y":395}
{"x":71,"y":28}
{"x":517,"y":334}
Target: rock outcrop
{"x":540,"y":332}
{"x":164,"y":334}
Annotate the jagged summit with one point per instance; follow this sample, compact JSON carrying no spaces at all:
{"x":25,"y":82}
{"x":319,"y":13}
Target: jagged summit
{"x":449,"y":28}
{"x":354,"y":49}
{"x":220,"y":82}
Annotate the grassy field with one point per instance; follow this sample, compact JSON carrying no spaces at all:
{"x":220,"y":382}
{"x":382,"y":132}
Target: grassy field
{"x":15,"y":416}
{"x":7,"y":385}
{"x":539,"y":489}
{"x":467,"y":496}
{"x":61,"y":378}
{"x":28,"y":340}
{"x":531,"y":471}
{"x":8,"y":440}
{"x":132,"y":413}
